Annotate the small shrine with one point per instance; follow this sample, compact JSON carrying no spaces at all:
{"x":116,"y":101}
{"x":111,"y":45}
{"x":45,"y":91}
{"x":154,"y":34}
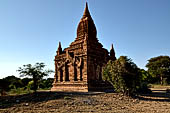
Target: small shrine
{"x":78,"y":68}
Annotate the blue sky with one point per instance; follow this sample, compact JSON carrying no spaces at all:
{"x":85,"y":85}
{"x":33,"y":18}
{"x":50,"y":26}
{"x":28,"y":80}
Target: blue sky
{"x":31,"y":29}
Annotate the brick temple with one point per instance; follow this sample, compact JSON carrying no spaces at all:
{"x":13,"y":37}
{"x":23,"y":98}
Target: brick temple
{"x":78,"y":68}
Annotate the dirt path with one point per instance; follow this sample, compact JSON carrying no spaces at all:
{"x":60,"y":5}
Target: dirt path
{"x":45,"y":102}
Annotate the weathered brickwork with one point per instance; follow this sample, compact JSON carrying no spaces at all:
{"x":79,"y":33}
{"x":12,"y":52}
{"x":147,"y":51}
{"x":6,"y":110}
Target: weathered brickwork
{"x":79,"y":67}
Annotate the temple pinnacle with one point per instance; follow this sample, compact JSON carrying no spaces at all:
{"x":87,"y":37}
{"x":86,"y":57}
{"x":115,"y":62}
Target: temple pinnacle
{"x":112,"y":53}
{"x":59,"y":45}
{"x":112,"y":47}
{"x":59,"y":51}
{"x":86,"y":11}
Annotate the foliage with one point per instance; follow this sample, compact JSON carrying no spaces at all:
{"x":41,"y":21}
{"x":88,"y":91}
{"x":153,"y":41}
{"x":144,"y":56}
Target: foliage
{"x":25,"y":81}
{"x":159,"y":67}
{"x":46,"y":83}
{"x":10,"y":82}
{"x":37,"y":72}
{"x":12,"y":85}
{"x":123,"y":74}
{"x":19,"y":91}
{"x":30,"y":85}
{"x":144,"y":79}
{"x":4,"y":86}
{"x":11,"y":79}
{"x":14,"y":82}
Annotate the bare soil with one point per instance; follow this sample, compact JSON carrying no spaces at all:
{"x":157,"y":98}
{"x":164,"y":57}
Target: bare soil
{"x":98,"y":102}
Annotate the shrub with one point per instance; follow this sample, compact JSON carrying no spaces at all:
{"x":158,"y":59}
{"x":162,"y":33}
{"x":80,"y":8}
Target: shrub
{"x":124,"y":75}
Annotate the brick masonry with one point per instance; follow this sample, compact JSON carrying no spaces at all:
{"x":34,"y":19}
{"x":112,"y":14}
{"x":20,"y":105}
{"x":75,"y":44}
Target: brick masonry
{"x":78,"y":68}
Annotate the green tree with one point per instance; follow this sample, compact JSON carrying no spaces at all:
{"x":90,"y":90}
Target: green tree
{"x":15,"y":82}
{"x":159,"y":67}
{"x":123,"y":74}
{"x":36,"y":72}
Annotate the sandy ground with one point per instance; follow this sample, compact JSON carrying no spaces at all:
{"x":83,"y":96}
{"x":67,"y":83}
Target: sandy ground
{"x":97,"y":102}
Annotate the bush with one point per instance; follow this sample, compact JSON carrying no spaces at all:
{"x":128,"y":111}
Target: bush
{"x":30,"y":85}
{"x":46,"y":83}
{"x":124,"y":75}
{"x":143,"y":81}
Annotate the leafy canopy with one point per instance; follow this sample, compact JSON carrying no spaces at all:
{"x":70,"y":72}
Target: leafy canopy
{"x":36,"y":72}
{"x":159,"y":67}
{"x":122,"y":74}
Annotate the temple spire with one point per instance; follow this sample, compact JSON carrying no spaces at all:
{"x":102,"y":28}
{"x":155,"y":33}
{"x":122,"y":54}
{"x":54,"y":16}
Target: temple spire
{"x":112,"y":53}
{"x":86,"y":26}
{"x":86,"y":11}
{"x":112,"y":47}
{"x":59,"y":50}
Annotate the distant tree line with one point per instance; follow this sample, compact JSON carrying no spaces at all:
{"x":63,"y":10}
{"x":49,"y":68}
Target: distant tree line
{"x":33,"y":79}
{"x":12,"y":83}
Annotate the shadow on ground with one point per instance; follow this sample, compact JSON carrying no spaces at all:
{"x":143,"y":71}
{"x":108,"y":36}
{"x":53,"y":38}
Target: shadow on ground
{"x":156,"y":95}
{"x":41,"y":96}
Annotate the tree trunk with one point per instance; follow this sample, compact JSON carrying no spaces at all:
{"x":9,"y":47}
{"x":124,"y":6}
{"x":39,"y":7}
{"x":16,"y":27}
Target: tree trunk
{"x":161,"y":78}
{"x":35,"y":83}
{"x":3,"y":93}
